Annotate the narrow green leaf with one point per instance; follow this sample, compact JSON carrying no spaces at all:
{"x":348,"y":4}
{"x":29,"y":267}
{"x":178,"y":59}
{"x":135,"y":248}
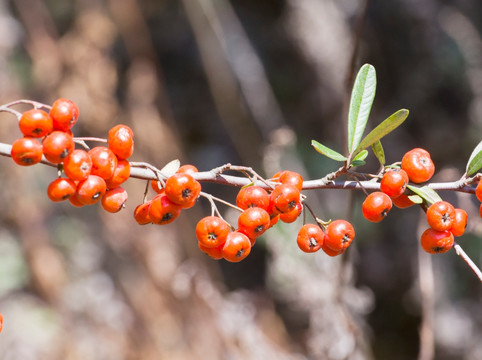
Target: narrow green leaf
{"x":426,"y":193}
{"x":378,"y":151}
{"x":322,"y":149}
{"x":362,"y":155}
{"x":361,"y":102}
{"x":358,"y":163}
{"x":384,"y":128}
{"x":475,"y":161}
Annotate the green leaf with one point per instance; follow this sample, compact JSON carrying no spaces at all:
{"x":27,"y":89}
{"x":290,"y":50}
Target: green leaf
{"x":322,"y":149}
{"x":362,"y":155}
{"x":361,"y":102}
{"x":384,"y":128}
{"x":475,"y":161}
{"x":426,"y":193}
{"x":358,"y":163}
{"x":415,"y":199}
{"x":378,"y":151}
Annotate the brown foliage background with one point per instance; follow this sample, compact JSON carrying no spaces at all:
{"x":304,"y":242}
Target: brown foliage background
{"x":250,"y":83}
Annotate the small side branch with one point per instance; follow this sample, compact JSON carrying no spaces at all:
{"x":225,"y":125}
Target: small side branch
{"x":460,"y":252}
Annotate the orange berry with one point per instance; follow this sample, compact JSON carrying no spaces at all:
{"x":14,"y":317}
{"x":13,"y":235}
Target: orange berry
{"x":460,"y":222}
{"x":57,"y":146}
{"x":64,"y":114}
{"x":252,"y":196}
{"x":121,"y":141}
{"x":292,"y":178}
{"x":26,"y":151}
{"x":376,"y":206}
{"x":441,"y":215}
{"x":214,"y":252}
{"x":284,"y":198}
{"x":121,"y":174}
{"x":394,"y":182}
{"x":330,"y":252}
{"x":339,"y":234}
{"x":310,"y":238}
{"x":61,"y":189}
{"x":211,"y":231}
{"x":478,"y":191}
{"x":236,"y":247}
{"x":188,"y":169}
{"x":141,"y":213}
{"x":35,"y":123}
{"x":418,"y":165}
{"x":402,"y":201}
{"x":292,"y":215}
{"x":163,"y":211}
{"x":253,"y":222}
{"x":91,"y":190}
{"x":78,"y":165}
{"x":435,"y":242}
{"x":74,"y":200}
{"x":104,"y":162}
{"x":182,"y":189}
{"x":114,"y":199}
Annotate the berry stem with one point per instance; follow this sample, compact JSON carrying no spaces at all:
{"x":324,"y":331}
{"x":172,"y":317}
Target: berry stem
{"x":460,"y":252}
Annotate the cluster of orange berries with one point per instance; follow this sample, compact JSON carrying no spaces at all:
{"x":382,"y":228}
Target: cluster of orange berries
{"x":444,"y":220}
{"x":90,"y":176}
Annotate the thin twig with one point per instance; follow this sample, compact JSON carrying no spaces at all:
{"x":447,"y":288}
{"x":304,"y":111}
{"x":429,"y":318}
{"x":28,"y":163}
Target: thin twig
{"x":460,"y":252}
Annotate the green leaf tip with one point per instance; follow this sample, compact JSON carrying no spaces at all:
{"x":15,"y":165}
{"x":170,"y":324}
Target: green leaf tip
{"x":475,"y":161}
{"x":361,"y":101}
{"x":324,"y":150}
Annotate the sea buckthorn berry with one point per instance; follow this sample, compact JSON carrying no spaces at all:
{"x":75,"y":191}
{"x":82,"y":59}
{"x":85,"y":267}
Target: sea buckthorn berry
{"x":121,"y":174}
{"x":394,"y":182}
{"x":91,"y":190}
{"x":253,"y":222}
{"x":292,"y":215}
{"x":114,"y":199}
{"x":284,"y":198}
{"x":61,"y":189}
{"x":330,"y":252}
{"x":215,"y":253}
{"x":478,"y":191}
{"x":310,"y":238}
{"x":163,"y":211}
{"x":252,"y":196}
{"x":236,"y":247}
{"x":183,"y":189}
{"x":141,"y":213}
{"x":35,"y":123}
{"x":57,"y":146}
{"x":188,"y":169}
{"x":292,"y":178}
{"x":211,"y":231}
{"x":121,"y":141}
{"x":440,"y":215}
{"x":339,"y":234}
{"x":104,"y":162}
{"x":376,"y":206}
{"x":64,"y":114}
{"x":460,"y":222}
{"x":26,"y":151}
{"x":78,"y":165}
{"x":436,"y":242}
{"x":418,"y":165}
{"x":402,"y":201}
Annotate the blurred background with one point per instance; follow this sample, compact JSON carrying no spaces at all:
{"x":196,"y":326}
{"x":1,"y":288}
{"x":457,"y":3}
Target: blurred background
{"x":250,"y":83}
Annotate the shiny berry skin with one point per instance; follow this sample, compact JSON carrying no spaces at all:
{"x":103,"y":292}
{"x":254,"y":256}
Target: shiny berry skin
{"x":188,"y":169}
{"x":292,"y":178}
{"x":35,"y":123}
{"x":330,"y":252}
{"x":182,"y":189}
{"x":212,"y":231}
{"x":478,"y":191}
{"x":141,"y":213}
{"x":274,"y":220}
{"x":91,"y":190}
{"x":57,"y":146}
{"x":441,"y":215}
{"x":437,"y":242}
{"x":236,"y":247}
{"x":114,"y":199}
{"x":292,"y":215}
{"x":418,"y":165}
{"x":252,"y":196}
{"x":253,"y":222}
{"x":394,"y":182}
{"x":376,"y":206}
{"x":26,"y":151}
{"x":284,"y":198}
{"x":74,"y":200}
{"x":215,"y":253}
{"x":121,"y":174}
{"x":61,"y":189}
{"x":104,"y":162}
{"x":310,"y":238}
{"x":78,"y":165}
{"x":64,"y":114}
{"x":460,"y":222}
{"x":402,"y":201}
{"x":163,"y":211}
{"x":339,"y":234}
{"x":121,"y":141}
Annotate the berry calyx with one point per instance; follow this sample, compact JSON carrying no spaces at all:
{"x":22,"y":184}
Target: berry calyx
{"x":376,"y":206}
{"x":236,"y":247}
{"x":35,"y":123}
{"x":441,"y":215}
{"x":26,"y":151}
{"x":64,"y":114}
{"x":310,"y":238}
{"x":437,"y":242}
{"x":182,"y":189}
{"x":394,"y":182}
{"x":212,"y":231}
{"x":418,"y":165}
{"x":339,"y":234}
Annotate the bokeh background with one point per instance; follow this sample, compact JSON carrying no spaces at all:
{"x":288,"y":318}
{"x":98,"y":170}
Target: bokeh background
{"x":245,"y":82}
